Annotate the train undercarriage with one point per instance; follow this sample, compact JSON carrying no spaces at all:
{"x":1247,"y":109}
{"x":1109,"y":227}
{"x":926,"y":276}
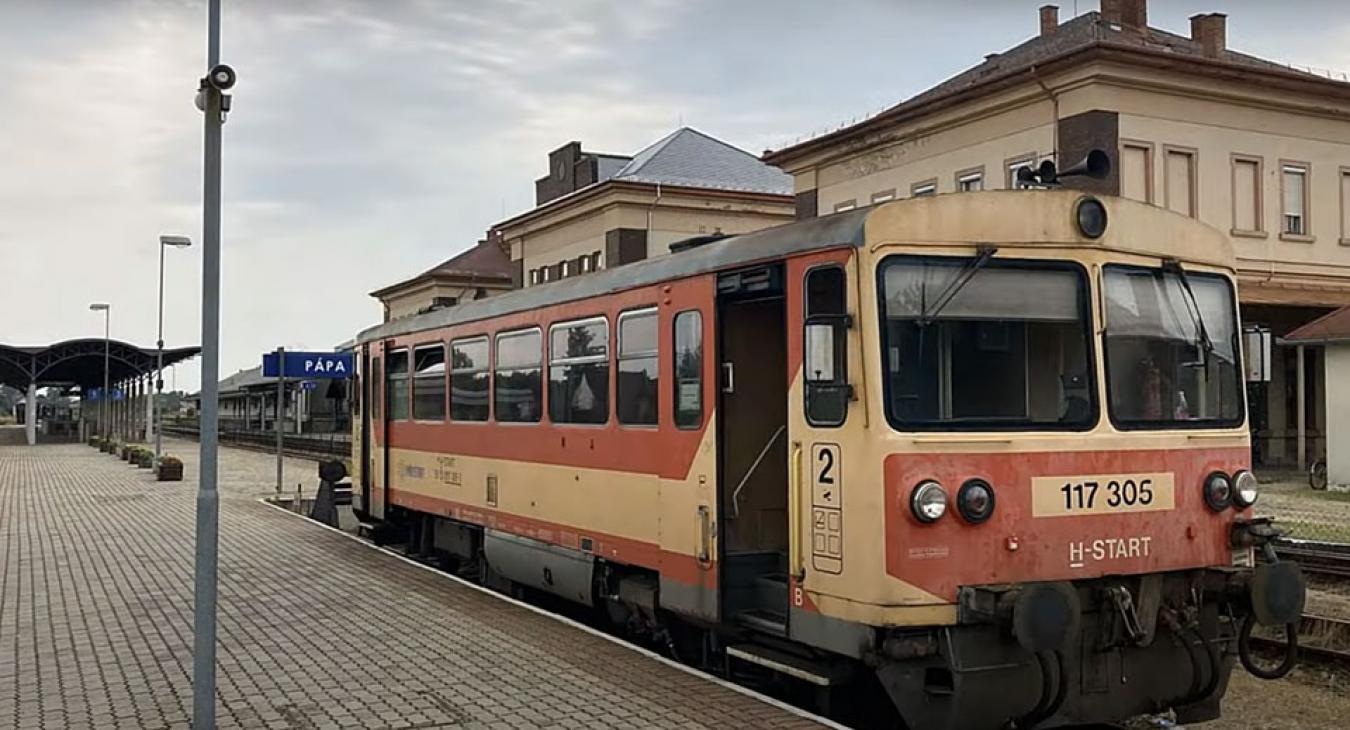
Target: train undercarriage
{"x":1083,"y":654}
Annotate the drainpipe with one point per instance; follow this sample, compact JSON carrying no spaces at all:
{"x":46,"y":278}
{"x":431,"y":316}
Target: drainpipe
{"x":650,"y":210}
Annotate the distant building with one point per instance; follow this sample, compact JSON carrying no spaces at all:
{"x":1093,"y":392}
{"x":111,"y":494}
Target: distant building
{"x":595,"y":211}
{"x":478,"y":272}
{"x":1255,"y":148}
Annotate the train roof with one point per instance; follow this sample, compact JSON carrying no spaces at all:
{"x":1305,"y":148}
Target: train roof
{"x":841,"y":229}
{"x":1043,"y":218}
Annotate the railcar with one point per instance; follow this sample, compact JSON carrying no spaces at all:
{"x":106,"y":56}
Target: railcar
{"x":986,"y":451}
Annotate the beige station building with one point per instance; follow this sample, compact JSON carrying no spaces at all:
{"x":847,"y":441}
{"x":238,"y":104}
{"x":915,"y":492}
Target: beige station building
{"x":1255,"y":148}
{"x":595,"y":211}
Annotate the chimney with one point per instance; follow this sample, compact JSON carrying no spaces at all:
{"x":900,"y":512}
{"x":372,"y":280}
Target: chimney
{"x":1211,"y":32}
{"x":1049,"y":19}
{"x":1130,"y":15}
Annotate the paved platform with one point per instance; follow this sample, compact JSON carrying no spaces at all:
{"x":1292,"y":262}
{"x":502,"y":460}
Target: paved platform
{"x":316,"y":630}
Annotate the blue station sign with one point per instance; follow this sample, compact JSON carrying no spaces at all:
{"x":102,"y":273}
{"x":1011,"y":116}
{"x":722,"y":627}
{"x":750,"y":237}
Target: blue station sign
{"x":335,"y":365}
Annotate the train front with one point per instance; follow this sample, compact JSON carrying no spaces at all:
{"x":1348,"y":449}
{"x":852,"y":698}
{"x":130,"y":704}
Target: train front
{"x":1066,"y":462}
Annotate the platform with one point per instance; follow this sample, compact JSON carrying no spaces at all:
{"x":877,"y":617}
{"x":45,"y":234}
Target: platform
{"x":316,"y":630}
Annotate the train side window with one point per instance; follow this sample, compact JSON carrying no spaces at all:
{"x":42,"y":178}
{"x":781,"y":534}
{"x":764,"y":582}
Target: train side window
{"x":469,"y":379}
{"x":825,"y":364}
{"x":637,"y":389}
{"x":375,"y":382}
{"x":689,"y":369}
{"x":429,"y":383}
{"x":578,"y":373}
{"x":518,"y":379}
{"x":396,"y":384}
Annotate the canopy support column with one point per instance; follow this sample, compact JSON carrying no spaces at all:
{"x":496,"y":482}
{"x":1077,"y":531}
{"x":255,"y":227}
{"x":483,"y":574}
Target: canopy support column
{"x":30,"y":414}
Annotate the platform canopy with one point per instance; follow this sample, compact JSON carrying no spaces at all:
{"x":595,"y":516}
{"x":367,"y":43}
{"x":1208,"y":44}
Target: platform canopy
{"x":80,"y":363}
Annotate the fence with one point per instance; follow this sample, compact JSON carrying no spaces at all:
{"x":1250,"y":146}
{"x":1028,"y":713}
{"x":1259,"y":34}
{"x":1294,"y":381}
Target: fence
{"x":1319,"y":515}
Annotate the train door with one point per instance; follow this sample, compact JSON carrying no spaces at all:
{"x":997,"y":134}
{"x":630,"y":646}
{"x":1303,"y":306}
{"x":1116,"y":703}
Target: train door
{"x":378,"y":436}
{"x":752,"y":448}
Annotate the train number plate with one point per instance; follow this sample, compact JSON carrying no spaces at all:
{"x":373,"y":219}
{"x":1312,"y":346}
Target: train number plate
{"x":1102,"y":494}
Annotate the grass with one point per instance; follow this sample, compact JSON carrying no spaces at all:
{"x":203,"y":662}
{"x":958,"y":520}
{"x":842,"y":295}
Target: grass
{"x":1321,"y":531}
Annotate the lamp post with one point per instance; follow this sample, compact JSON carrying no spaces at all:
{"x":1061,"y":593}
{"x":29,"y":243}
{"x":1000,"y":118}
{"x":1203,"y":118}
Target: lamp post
{"x":164,"y":242}
{"x":107,"y":349}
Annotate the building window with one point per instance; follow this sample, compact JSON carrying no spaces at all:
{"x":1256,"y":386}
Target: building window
{"x":584,"y":264}
{"x":565,"y":269}
{"x":636,"y":391}
{"x":396,"y":384}
{"x":469,"y":379}
{"x":1246,"y":195}
{"x":535,"y":276}
{"x":1295,"y":208}
{"x":1180,"y":188}
{"x":518,"y":379}
{"x":846,"y":205}
{"x":1013,"y":164}
{"x":970,"y":181}
{"x":596,"y":261}
{"x":429,"y":383}
{"x":883,"y":196}
{"x":578,"y":373}
{"x":688,"y":369}
{"x":1136,"y":171}
{"x":924,"y":189}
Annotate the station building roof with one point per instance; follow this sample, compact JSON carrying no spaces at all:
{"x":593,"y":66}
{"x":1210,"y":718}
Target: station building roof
{"x":80,"y":362}
{"x":1330,"y":328}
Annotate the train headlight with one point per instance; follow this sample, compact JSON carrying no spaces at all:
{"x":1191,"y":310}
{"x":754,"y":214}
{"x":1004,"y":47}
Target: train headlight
{"x":928,"y":501}
{"x":975,"y":501}
{"x":1218,"y":491}
{"x":1090,"y":215}
{"x":1245,"y":489}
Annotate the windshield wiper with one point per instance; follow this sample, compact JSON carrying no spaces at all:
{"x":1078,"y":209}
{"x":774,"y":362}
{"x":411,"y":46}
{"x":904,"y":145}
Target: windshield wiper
{"x":1204,"y":343}
{"x":963,"y":277}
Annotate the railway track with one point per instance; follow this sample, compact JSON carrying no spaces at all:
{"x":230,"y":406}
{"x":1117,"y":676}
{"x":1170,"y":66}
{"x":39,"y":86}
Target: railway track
{"x":1323,"y":638}
{"x":1327,"y":559}
{"x":303,"y":446}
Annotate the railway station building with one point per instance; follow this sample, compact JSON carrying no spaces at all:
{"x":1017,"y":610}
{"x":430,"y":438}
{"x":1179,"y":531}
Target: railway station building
{"x":1257,"y":149}
{"x":594,"y":211}
{"x":481,"y":271}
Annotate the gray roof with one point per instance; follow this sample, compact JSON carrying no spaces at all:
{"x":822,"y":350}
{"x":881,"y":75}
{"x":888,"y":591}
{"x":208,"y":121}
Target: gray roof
{"x":1089,"y":30}
{"x":690,"y":158}
{"x":1085,"y":30}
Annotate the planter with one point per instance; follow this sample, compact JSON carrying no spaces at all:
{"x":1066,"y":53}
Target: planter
{"x":169,"y":470}
{"x":145,"y":459}
{"x":126,"y":453}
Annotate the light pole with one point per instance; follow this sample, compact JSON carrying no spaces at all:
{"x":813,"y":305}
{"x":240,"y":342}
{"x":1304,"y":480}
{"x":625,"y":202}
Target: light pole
{"x":103,"y":397}
{"x":164,"y":242}
{"x":214,"y":103}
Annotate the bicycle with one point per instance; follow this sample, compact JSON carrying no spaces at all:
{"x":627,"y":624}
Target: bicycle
{"x":1317,"y":475}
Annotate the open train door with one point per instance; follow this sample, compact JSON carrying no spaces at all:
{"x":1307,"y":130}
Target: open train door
{"x":752,"y":447}
{"x":375,"y":445}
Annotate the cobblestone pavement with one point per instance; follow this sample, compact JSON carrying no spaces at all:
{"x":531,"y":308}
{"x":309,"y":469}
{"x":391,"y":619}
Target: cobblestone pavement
{"x":316,"y":630}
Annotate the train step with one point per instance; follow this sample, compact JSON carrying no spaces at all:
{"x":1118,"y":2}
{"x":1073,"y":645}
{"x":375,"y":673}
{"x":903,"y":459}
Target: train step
{"x":771,"y":592}
{"x":764,"y":620}
{"x":784,"y":663}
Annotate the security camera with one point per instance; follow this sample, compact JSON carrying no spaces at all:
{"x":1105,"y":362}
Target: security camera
{"x":221,"y":77}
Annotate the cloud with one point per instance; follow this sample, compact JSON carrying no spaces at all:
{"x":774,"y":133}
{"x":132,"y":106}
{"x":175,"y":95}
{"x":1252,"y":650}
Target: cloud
{"x":370,"y":140}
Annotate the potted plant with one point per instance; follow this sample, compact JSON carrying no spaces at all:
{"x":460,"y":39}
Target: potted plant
{"x":143,"y":457}
{"x":170,"y":469}
{"x":126,"y":452}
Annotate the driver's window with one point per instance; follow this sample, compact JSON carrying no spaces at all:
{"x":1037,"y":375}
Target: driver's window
{"x":825,"y":343}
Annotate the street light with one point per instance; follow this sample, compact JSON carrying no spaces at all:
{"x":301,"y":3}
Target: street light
{"x":164,"y":242}
{"x":103,"y":397}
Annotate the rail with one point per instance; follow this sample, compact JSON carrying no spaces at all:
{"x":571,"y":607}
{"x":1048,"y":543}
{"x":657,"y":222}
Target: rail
{"x":308,"y":445}
{"x":1321,"y":637}
{"x":1329,"y":559}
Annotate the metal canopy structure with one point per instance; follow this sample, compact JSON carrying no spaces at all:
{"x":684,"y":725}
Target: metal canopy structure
{"x":80,"y":363}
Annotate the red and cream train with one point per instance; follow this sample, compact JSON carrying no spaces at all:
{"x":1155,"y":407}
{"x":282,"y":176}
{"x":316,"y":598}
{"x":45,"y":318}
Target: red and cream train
{"x":986,"y":451}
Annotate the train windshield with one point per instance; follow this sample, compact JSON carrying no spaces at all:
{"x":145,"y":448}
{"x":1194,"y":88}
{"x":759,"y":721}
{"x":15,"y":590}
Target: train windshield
{"x":1171,"y":348}
{"x":984,"y":343}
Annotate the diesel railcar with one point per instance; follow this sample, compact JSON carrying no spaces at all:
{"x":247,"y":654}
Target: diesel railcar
{"x":987,"y":451}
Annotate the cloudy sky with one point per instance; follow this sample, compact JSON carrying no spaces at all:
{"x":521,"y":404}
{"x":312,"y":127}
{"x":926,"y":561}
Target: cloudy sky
{"x":371,"y":139}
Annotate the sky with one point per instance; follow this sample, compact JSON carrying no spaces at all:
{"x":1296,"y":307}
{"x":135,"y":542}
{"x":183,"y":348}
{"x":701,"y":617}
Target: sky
{"x":371,"y":139}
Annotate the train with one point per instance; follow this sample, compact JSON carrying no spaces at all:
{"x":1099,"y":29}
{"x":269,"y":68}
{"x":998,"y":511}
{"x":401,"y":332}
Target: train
{"x":983,"y":453}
